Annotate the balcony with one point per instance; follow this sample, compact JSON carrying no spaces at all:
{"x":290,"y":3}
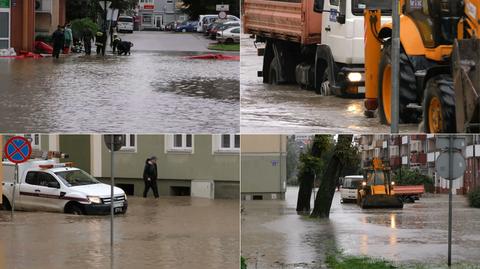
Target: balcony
{"x":395,"y":161}
{"x":418,"y":137}
{"x":395,"y":140}
{"x":418,"y":158}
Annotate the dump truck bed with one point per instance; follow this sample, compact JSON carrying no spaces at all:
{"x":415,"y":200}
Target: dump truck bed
{"x":409,"y":190}
{"x":286,"y":20}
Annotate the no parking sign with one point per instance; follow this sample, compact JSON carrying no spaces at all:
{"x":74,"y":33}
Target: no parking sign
{"x":18,"y":149}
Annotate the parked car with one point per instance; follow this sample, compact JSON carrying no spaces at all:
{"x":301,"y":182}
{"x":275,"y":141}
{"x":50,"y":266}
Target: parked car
{"x":125,"y":24}
{"x":230,"y":35}
{"x":187,"y":26}
{"x":222,"y":27}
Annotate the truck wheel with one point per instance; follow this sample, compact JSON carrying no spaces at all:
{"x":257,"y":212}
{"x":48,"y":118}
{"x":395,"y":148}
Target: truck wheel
{"x":407,"y":88}
{"x":325,"y":89}
{"x":273,"y":73}
{"x":439,"y":105}
{"x":5,"y":204}
{"x":74,"y":209}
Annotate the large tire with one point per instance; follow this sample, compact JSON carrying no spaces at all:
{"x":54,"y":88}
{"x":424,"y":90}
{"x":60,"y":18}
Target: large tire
{"x":408,"y":92}
{"x":273,"y":72}
{"x":439,"y":105}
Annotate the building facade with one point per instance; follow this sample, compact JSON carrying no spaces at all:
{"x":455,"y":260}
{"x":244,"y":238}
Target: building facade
{"x":21,"y":20}
{"x":264,"y":167}
{"x":420,"y":152}
{"x":185,"y":162}
{"x":154,"y":14}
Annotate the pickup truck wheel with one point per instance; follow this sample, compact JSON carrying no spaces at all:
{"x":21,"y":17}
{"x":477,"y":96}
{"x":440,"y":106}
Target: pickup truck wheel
{"x":272,"y":74}
{"x":74,"y":210}
{"x":5,"y":204}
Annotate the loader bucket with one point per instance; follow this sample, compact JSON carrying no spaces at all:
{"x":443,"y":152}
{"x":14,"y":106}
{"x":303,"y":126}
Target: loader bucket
{"x":466,"y":76}
{"x":381,"y":201}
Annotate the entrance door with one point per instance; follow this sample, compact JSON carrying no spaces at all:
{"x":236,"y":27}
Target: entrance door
{"x":158,"y":21}
{"x":4,"y":24}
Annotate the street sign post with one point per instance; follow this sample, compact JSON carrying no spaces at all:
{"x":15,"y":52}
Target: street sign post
{"x":222,"y":15}
{"x":17,"y":150}
{"x":113,"y":143}
{"x":450,"y":165}
{"x":223,"y":7}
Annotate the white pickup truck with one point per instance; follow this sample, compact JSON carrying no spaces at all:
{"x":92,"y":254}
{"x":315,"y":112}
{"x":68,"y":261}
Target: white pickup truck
{"x":46,"y":185}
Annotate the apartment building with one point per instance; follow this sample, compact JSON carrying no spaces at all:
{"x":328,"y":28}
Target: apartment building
{"x":420,"y":152}
{"x":264,"y":168}
{"x":185,"y":162}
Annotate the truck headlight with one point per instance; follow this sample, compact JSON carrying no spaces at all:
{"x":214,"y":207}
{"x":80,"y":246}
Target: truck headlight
{"x":355,"y":77}
{"x":393,"y":183}
{"x":364,"y":183}
{"x":94,"y":199}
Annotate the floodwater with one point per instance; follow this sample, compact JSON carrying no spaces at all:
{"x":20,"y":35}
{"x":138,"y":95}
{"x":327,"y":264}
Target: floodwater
{"x":149,"y":91}
{"x":171,"y":232}
{"x":274,"y":236}
{"x":291,"y":109}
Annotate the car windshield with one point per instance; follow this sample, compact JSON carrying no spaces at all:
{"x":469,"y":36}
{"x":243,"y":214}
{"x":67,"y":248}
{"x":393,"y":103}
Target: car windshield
{"x":125,"y":19}
{"x":358,"y":6}
{"x":76,"y":177}
{"x":352,"y":183}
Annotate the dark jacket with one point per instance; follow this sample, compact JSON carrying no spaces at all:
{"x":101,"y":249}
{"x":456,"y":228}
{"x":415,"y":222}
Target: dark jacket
{"x":150,"y":171}
{"x":58,"y":39}
{"x":87,"y":36}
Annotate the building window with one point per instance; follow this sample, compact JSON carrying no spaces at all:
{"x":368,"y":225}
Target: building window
{"x":130,"y":143}
{"x":179,"y":143}
{"x":226,"y":143}
{"x":34,"y":140}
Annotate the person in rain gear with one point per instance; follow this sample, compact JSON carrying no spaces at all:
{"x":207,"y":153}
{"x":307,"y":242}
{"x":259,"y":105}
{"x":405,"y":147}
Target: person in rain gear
{"x":150,"y":176}
{"x":58,"y":39}
{"x":100,"y":41}
{"x":115,"y":42}
{"x":87,"y":41}
{"x":68,"y":38}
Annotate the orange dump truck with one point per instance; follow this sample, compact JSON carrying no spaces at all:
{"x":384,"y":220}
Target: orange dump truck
{"x":318,"y":44}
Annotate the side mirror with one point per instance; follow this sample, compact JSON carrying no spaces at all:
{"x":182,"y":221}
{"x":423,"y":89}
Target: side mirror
{"x":52,"y":184}
{"x":341,"y":18}
{"x":318,"y":6}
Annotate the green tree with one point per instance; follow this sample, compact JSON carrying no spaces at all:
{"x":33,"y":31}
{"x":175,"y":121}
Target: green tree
{"x":79,"y":9}
{"x":292,"y":159}
{"x":195,"y":8}
{"x":404,"y":176}
{"x":311,"y":165}
{"x":344,"y":154}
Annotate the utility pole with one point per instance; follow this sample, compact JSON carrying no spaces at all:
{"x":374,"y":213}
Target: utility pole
{"x":395,"y":97}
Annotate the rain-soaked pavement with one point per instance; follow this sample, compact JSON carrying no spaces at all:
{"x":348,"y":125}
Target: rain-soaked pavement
{"x":274,"y":236}
{"x":171,"y":232}
{"x":156,"y":89}
{"x":290,"y":109}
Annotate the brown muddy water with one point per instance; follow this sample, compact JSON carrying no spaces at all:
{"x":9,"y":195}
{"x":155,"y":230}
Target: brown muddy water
{"x":290,"y":109}
{"x":149,"y":91}
{"x":274,"y":236}
{"x":171,"y":232}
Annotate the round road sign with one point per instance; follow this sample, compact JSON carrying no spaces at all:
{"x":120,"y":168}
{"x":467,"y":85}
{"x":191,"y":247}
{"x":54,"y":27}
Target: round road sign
{"x":222,"y":15}
{"x":443,"y":168}
{"x":18,"y":149}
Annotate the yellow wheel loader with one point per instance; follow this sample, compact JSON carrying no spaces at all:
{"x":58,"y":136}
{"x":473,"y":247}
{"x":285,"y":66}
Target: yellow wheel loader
{"x":439,"y":64}
{"x":377,"y":191}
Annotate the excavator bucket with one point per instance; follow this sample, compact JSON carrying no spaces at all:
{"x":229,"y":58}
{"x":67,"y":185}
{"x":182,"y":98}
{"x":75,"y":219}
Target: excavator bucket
{"x":466,"y":76}
{"x":381,"y":201}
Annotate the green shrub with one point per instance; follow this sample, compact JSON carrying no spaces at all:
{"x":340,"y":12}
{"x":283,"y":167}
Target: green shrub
{"x":79,"y":25}
{"x":243,"y":264}
{"x":474,"y":198}
{"x":404,"y":177}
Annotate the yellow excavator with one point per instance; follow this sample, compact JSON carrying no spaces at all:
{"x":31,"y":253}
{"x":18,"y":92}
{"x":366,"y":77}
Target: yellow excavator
{"x":439,"y":64}
{"x":377,"y":190}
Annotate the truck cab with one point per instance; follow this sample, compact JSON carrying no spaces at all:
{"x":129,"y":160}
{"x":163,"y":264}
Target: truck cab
{"x":349,"y":188}
{"x":46,"y":185}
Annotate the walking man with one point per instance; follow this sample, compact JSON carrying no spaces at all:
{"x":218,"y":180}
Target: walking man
{"x":150,"y":176}
{"x":87,"y":41}
{"x":58,"y":39}
{"x":100,"y":41}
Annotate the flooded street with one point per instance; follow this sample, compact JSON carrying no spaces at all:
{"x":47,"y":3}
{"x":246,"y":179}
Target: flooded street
{"x":171,"y":232}
{"x":156,"y":89}
{"x":274,"y":236}
{"x":290,"y":109}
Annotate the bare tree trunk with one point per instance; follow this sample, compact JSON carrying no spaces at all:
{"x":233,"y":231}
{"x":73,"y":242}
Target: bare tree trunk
{"x":305,"y":193}
{"x":326,"y":190}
